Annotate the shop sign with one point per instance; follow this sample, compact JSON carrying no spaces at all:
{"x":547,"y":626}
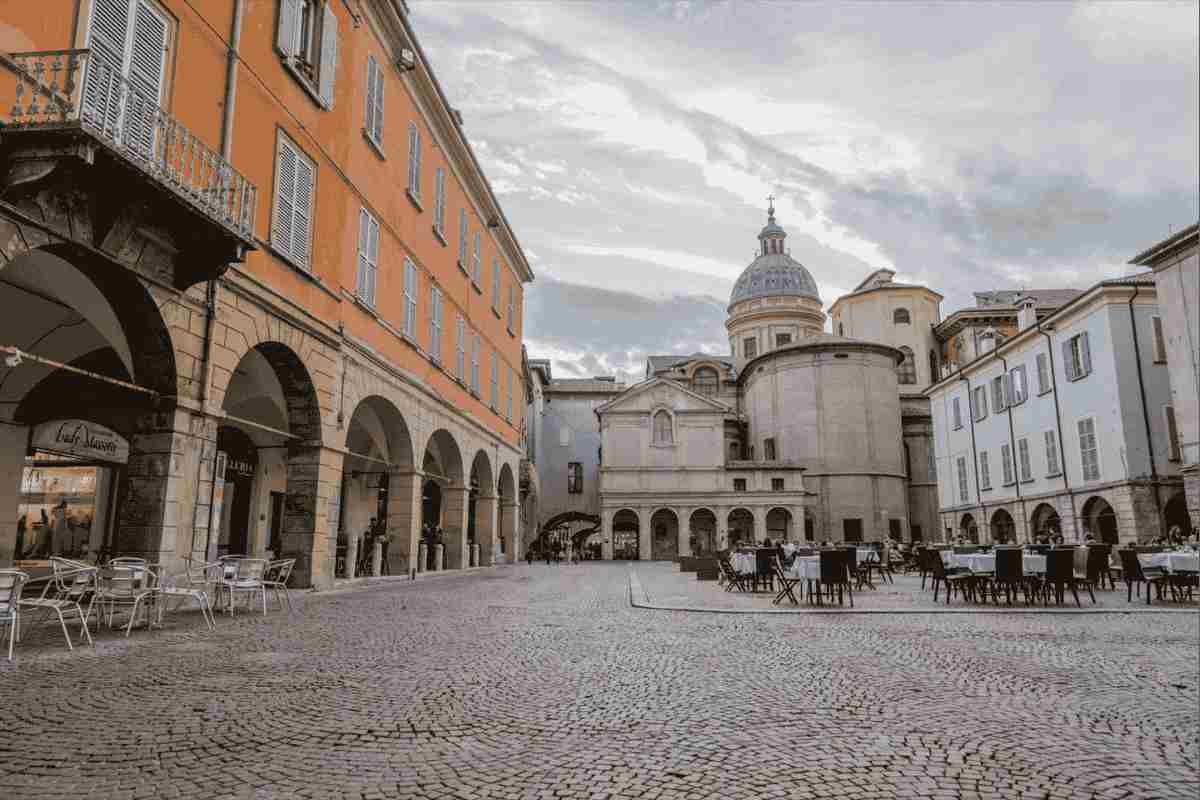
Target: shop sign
{"x":81,"y":439}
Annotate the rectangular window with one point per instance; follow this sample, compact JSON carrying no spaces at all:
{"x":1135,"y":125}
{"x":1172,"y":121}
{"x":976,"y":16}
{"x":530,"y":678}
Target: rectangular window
{"x":564,"y":437}
{"x":509,"y":402}
{"x":1018,"y":387}
{"x":512,"y":305}
{"x":475,"y":260}
{"x":1023,"y":460}
{"x":999,"y":394}
{"x":979,"y":403}
{"x":852,"y":531}
{"x":782,"y":339}
{"x":291,"y":223}
{"x":463,"y":234}
{"x":776,"y":484}
{"x":460,"y":348}
{"x":739,"y":484}
{"x":985,"y":471}
{"x":1052,"y":466}
{"x":368,"y":257}
{"x":409,"y":326}
{"x":307,"y":40}
{"x":1006,"y":464}
{"x":475,"y":364}
{"x":751,"y":347}
{"x":1160,"y":342}
{"x":957,"y":408}
{"x":895,"y":530}
{"x":435,"y":324}
{"x":373,"y":126}
{"x":961,"y":464}
{"x":1172,"y":433}
{"x":574,"y":477}
{"x":495,"y":284}
{"x":769,"y":449}
{"x":1089,"y":453}
{"x":494,"y":381}
{"x":439,"y":203}
{"x":414,"y":161}
{"x":1043,"y":372}
{"x":1077,"y":357}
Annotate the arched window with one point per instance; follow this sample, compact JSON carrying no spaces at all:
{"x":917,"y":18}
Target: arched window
{"x":663,"y":431}
{"x":704,"y":381}
{"x":907,"y":370}
{"x":900,"y":317}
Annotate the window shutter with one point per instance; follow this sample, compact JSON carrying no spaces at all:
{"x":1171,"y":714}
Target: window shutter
{"x":1085,"y":355}
{"x":145,"y":69}
{"x":379,"y":73}
{"x":1023,"y":454}
{"x":475,"y":263}
{"x":282,"y":226}
{"x":106,"y":37}
{"x":328,"y":73}
{"x":432,"y":332}
{"x":1160,"y":343}
{"x":289,"y":20}
{"x":304,"y":208}
{"x":369,"y":121}
{"x":1172,"y":433}
{"x":1043,"y":373}
{"x":364,"y":235}
{"x":414,"y":159}
{"x":372,"y":257}
{"x":439,"y":200}
{"x":1051,"y":453}
{"x":462,"y":237}
{"x":1068,"y":360}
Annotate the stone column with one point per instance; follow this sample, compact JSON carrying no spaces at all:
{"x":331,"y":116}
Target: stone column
{"x":439,"y":557}
{"x":13,"y":440}
{"x":454,"y":524}
{"x":606,"y":535}
{"x":377,"y":558}
{"x":422,"y":556}
{"x":404,"y":520}
{"x":510,"y":523}
{"x":351,"y":556}
{"x":722,"y":532}
{"x":760,"y":523}
{"x":645,"y":535}
{"x":684,"y":547}
{"x":798,"y":523}
{"x":314,"y":475}
{"x":485,"y":526}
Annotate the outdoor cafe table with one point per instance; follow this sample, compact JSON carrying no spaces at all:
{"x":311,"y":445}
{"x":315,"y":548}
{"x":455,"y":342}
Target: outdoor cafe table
{"x":744,"y":563}
{"x":1031,"y":563}
{"x":805,"y":568}
{"x":1173,"y":562}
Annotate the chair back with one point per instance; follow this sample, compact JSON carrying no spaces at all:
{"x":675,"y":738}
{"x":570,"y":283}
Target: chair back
{"x":805,"y":551}
{"x":1131,"y":566}
{"x":777,"y":569}
{"x":11,"y":583}
{"x":279,"y":572}
{"x":833,"y":566}
{"x":124,"y":580}
{"x":762,"y":561}
{"x":851,"y":557}
{"x":1060,"y":564}
{"x":1097,"y":561}
{"x":72,"y":579}
{"x":935,"y":565}
{"x":1008,"y":564}
{"x":250,"y":569}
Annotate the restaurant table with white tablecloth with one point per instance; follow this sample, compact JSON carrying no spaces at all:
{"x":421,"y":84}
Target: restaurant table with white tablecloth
{"x":1173,"y":562}
{"x":1031,"y":563}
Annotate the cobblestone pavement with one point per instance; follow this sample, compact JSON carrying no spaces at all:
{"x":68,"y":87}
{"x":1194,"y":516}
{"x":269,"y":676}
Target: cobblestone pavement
{"x":545,"y":683}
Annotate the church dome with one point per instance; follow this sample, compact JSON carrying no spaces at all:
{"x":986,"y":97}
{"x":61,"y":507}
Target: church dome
{"x":774,"y":272}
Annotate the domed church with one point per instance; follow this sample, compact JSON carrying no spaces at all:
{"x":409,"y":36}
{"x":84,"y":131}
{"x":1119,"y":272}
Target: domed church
{"x":796,"y":435}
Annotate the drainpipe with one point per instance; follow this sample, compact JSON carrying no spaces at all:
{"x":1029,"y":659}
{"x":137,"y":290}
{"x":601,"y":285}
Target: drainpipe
{"x":1005,"y":385}
{"x":974,"y":448}
{"x":1137,"y":359}
{"x":1062,"y":453}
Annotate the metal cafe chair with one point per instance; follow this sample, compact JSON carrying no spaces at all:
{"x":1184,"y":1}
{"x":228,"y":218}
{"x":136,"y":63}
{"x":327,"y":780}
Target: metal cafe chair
{"x":785,"y":583}
{"x":276,"y":578}
{"x":63,"y":593}
{"x":181,"y":586}
{"x":244,"y":576}
{"x":12,"y":581}
{"x":128,"y":584}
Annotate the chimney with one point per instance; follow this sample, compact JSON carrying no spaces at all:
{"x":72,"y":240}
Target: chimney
{"x":1026,"y":315}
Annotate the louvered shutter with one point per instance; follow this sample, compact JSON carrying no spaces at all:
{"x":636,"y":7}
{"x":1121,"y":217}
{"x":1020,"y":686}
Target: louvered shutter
{"x":1069,"y":360}
{"x":329,"y":48}
{"x":439,"y":209}
{"x":289,"y":21}
{"x":146,"y":53}
{"x":107,"y":34}
{"x":283,"y":225}
{"x":379,"y":73}
{"x":303,"y":211}
{"x":1160,"y":343}
{"x":372,"y":257}
{"x":462,"y":237}
{"x":364,"y":236}
{"x":1085,"y":355}
{"x":1172,"y":433}
{"x":1051,"y":453}
{"x":432,"y":320}
{"x":369,"y":119}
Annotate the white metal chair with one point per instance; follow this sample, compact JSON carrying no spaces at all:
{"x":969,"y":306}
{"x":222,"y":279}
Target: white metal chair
{"x":64,"y":593}
{"x":172,"y":587}
{"x":276,"y":579}
{"x":127,"y":584}
{"x":244,"y":576}
{"x":12,"y":581}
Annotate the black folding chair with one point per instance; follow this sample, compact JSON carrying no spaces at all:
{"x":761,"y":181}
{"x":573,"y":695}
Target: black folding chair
{"x":835,"y":574}
{"x":732,"y":579}
{"x":785,"y":583}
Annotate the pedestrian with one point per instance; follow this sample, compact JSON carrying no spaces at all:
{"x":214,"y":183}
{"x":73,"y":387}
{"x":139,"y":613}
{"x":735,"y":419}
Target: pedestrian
{"x":529,"y":556}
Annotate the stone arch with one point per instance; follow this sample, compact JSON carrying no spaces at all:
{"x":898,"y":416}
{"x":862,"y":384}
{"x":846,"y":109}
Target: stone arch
{"x":1176,"y":521}
{"x":702,"y":531}
{"x":740,"y":524}
{"x":443,"y":467}
{"x":481,"y":507}
{"x":1003,"y":529}
{"x":508,"y":538}
{"x":705,"y":379}
{"x":664,"y":535}
{"x":968,"y":528}
{"x":779,"y":524}
{"x":626,"y":534}
{"x":1100,"y":520}
{"x":1045,"y":521}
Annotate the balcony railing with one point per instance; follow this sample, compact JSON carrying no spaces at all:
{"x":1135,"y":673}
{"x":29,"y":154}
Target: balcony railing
{"x":64,"y":89}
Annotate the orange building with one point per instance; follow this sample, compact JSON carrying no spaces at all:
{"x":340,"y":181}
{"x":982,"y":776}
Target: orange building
{"x":257,"y":292}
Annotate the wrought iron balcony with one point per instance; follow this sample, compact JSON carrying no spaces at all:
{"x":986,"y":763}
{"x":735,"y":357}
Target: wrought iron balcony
{"x":78,"y":91}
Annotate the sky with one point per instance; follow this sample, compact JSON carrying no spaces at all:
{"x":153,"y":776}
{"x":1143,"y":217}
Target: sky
{"x":966,"y":146}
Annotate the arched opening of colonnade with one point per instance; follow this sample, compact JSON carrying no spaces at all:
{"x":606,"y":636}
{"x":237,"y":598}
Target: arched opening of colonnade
{"x":482,"y":510}
{"x":1003,"y":529}
{"x":968,"y":529}
{"x":626,"y":533}
{"x":741,"y":528}
{"x":702,"y":532}
{"x":779,"y":525}
{"x":378,"y":492}
{"x":1045,"y":522}
{"x":1100,"y":520}
{"x":1176,"y":522}
{"x":664,"y":527}
{"x":444,"y":503}
{"x":505,"y":542}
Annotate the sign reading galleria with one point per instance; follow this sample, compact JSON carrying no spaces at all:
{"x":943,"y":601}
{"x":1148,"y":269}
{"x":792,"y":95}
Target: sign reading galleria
{"x":75,"y":437}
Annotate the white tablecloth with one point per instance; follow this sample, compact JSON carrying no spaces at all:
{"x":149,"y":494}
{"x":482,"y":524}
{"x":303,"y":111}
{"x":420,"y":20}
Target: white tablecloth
{"x":1173,"y":561}
{"x":806,"y":568}
{"x":744,"y":563}
{"x":1031,"y":564}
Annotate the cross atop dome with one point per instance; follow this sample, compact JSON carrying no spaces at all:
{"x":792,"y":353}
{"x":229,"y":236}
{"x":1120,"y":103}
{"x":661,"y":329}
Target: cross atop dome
{"x":771,"y":237}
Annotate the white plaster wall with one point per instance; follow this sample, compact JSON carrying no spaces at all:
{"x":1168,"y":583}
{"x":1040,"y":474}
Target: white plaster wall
{"x":870,"y":316}
{"x":1179,"y":302}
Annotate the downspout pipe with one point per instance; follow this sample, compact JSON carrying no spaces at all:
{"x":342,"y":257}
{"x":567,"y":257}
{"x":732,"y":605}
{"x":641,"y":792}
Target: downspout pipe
{"x":1006,"y":388}
{"x":974,"y":447}
{"x":1137,"y":359}
{"x":1062,"y":453}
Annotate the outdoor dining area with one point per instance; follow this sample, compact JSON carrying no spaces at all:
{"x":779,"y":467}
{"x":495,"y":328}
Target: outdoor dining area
{"x":819,"y":575}
{"x":126,"y":592}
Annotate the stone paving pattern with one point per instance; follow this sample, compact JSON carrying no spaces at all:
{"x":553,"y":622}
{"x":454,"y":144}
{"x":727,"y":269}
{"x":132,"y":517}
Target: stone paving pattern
{"x":545,"y":683}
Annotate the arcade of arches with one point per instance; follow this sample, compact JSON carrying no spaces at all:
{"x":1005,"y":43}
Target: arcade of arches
{"x":665,"y":533}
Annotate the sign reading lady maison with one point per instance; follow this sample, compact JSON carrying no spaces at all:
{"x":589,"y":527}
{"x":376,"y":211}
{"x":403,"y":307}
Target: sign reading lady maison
{"x":76,"y":437}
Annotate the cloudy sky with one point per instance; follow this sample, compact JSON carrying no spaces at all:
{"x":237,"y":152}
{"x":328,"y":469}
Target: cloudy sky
{"x":966,"y":146}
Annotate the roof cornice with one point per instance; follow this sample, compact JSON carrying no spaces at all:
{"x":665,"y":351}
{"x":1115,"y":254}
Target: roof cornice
{"x":1188,"y":237}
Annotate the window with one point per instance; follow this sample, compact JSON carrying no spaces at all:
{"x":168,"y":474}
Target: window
{"x":307,"y":40}
{"x":291,"y":223}
{"x":957,"y":409}
{"x":574,"y":477}
{"x":810,"y":529}
{"x":985,"y":471}
{"x":895,"y":530}
{"x":509,"y":402}
{"x":1089,"y":455}
{"x":900,"y":317}
{"x":439,"y":203}
{"x":751,"y":347}
{"x":704,"y":381}
{"x":769,"y":449}
{"x":495,"y":285}
{"x":783,"y":339}
{"x":1172,"y":433}
{"x":494,"y":383}
{"x":1077,"y":357}
{"x":979,"y":403}
{"x":906,"y":370}
{"x":1018,"y":388}
{"x":739,"y":484}
{"x":564,"y":437}
{"x":368,"y":257}
{"x":916,"y":533}
{"x":999,"y":394}
{"x":852,"y":531}
{"x":734,"y":451}
{"x":373,"y":125}
{"x":1006,"y":464}
{"x":131,"y":36}
{"x":663,"y":431}
{"x":460,"y":348}
{"x":961,"y":464}
{"x":475,"y":364}
{"x":1160,"y":343}
{"x":409,"y":325}
{"x":1052,"y":467}
{"x":512,"y":306}
{"x":414,"y":162}
{"x":435,"y":324}
{"x":776,"y":484}
{"x":463,"y":233}
{"x":1043,"y":373}
{"x":1023,"y":460}
{"x":475,"y":260}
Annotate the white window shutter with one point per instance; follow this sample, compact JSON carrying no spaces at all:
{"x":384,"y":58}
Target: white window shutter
{"x":379,"y":73}
{"x":414,"y":159}
{"x":289,"y":21}
{"x":369,"y":116}
{"x":1068,"y":360}
{"x":1085,"y":354}
{"x":1172,"y":433}
{"x":329,"y":49}
{"x":285,"y":198}
{"x":372,"y":258}
{"x":364,"y":235}
{"x":304,"y":209}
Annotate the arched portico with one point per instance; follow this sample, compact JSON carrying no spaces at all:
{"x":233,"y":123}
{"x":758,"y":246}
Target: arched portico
{"x":1045,"y":521}
{"x":443,"y":464}
{"x":741,"y":527}
{"x":482,"y":507}
{"x":702,"y":528}
{"x":1100,"y":520}
{"x":664,"y":530}
{"x":1003,"y":529}
{"x":968,"y":529}
{"x":779,"y":525}
{"x":505,"y":546}
{"x":626,"y":535}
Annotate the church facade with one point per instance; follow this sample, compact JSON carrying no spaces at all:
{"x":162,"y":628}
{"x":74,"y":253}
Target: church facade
{"x":796,"y":435}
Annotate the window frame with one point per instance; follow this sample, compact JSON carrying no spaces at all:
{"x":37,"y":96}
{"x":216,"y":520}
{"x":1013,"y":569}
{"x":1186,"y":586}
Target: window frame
{"x":464,"y":233}
{"x":460,"y":348}
{"x":964,"y":491}
{"x":477,"y":261}
{"x":287,"y":251}
{"x":985,"y":472}
{"x":574,"y":477}
{"x":367,"y":261}
{"x":979,"y":406}
{"x":413,"y":187}
{"x":494,"y":381}
{"x":439,"y":205}
{"x":435,"y":323}
{"x":1042,"y":362}
{"x":739,"y":485}
{"x":473,"y":384}
{"x":1095,"y":449}
{"x":373,"y":118}
{"x":1053,"y":459}
{"x":1077,"y":355}
{"x":782,"y":340}
{"x":1017,"y":376}
{"x":412,"y":288}
{"x":655,"y":439}
{"x":777,"y":485}
{"x":956,"y":412}
{"x":750,"y":343}
{"x":901,"y":316}
{"x":311,"y":60}
{"x":768,"y":450}
{"x":1024,"y":461}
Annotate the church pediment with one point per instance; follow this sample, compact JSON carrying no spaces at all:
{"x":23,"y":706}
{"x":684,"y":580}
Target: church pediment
{"x":661,"y":393}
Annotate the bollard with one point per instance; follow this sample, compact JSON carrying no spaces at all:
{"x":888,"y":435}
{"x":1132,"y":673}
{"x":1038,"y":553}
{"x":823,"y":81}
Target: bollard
{"x":351,"y":557}
{"x":439,"y":554}
{"x":422,"y":556}
{"x":474,"y":554}
{"x":377,"y":558}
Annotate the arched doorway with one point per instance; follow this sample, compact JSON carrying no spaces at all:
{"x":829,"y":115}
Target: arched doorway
{"x":1100,"y":520}
{"x":779,"y":525}
{"x":241,"y":465}
{"x":1176,"y":522}
{"x":968,"y":529}
{"x":702,"y":528}
{"x":504,"y":544}
{"x":626,"y":532}
{"x":446,"y":522}
{"x":1003,"y":529}
{"x":664,"y":527}
{"x":1045,"y":522}
{"x":741,"y":528}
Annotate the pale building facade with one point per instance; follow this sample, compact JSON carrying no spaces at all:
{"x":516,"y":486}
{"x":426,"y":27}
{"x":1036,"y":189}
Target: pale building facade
{"x":1061,"y":428}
